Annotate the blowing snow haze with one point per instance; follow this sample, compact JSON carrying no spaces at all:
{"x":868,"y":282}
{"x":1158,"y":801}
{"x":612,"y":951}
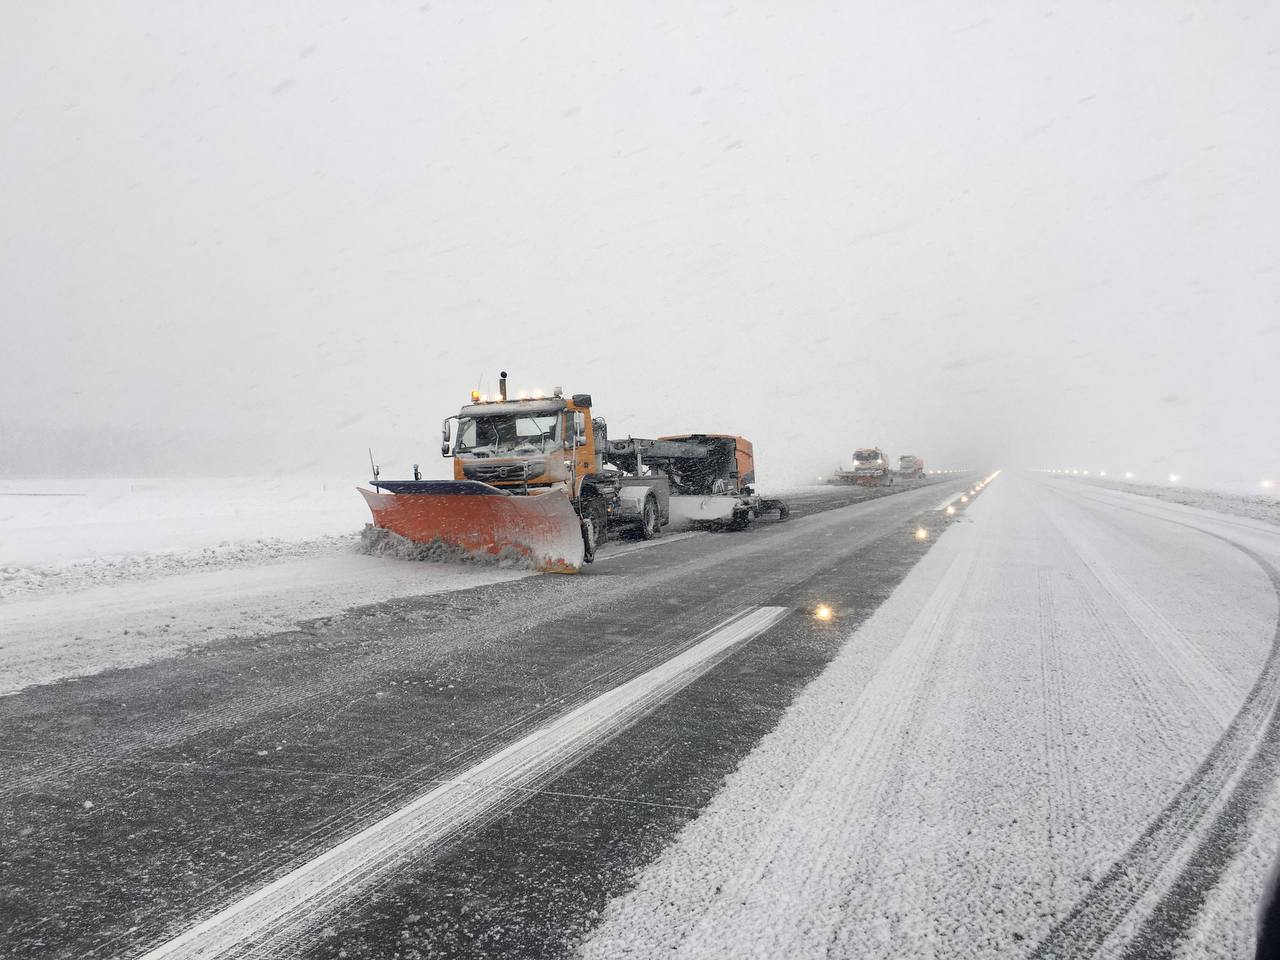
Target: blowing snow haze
{"x":239,"y":237}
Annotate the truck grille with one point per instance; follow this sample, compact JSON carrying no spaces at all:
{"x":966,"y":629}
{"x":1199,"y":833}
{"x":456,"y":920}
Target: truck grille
{"x":498,"y":472}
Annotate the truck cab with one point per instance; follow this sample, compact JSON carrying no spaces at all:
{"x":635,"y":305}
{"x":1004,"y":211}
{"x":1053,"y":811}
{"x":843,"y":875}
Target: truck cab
{"x":532,"y":445}
{"x":525,"y":445}
{"x":871,"y":467}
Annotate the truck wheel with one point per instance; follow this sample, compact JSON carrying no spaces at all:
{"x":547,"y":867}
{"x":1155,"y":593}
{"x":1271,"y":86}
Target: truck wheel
{"x":650,"y":524}
{"x":595,"y":530}
{"x":600,"y":519}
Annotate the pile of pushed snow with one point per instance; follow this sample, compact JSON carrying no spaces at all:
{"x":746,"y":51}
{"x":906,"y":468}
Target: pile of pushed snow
{"x":53,"y":636}
{"x":1253,"y":506}
{"x":378,"y":542}
{"x":17,"y":581}
{"x":44,"y":521}
{"x":102,"y":574}
{"x":61,"y":536}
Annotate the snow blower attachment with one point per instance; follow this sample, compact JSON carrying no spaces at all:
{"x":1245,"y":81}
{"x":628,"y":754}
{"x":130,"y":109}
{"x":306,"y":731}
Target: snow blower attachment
{"x":537,"y":476}
{"x":712,"y":479}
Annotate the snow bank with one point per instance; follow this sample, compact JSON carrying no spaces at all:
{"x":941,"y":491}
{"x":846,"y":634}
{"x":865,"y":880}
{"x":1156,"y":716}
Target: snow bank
{"x":20,"y":581}
{"x":65,"y":535}
{"x":1256,"y":506}
{"x":126,"y":623}
{"x":97,"y":574}
{"x":59,"y":521}
{"x":377,"y":542}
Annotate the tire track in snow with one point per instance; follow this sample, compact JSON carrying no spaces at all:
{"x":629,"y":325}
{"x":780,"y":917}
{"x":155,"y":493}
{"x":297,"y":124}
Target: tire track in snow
{"x":1167,"y":712}
{"x":296,"y":900}
{"x":1060,"y":798}
{"x":870,"y":741}
{"x":1209,"y":686}
{"x":1237,"y":756}
{"x":947,"y":659}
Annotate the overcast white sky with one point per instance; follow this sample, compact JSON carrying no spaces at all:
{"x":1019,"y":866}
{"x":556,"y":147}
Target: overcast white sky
{"x":237,"y":236}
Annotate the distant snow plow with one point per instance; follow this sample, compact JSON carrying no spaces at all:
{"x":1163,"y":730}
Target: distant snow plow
{"x":538,"y":478}
{"x":870,"y":469}
{"x":542,"y":530}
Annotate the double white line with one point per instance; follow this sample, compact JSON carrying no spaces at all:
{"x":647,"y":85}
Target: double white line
{"x":296,"y":899}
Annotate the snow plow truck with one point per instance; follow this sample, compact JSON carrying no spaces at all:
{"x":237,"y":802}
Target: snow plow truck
{"x":870,"y":469}
{"x":538,"y":478}
{"x":910,"y":467}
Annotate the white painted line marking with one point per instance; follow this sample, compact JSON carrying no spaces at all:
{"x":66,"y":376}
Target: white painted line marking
{"x":298,"y":896}
{"x":644,"y":545}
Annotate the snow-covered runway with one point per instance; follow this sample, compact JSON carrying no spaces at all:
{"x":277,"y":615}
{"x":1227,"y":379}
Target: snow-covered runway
{"x":217,"y":783}
{"x":1009,"y":758}
{"x":1044,"y":726}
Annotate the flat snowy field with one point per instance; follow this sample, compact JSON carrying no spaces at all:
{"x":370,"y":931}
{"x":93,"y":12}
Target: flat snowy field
{"x":96,"y":574}
{"x":1008,"y":757}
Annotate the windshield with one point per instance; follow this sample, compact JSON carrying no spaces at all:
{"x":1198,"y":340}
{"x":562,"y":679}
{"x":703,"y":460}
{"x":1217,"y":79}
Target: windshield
{"x":867,"y":456}
{"x":508,"y":434}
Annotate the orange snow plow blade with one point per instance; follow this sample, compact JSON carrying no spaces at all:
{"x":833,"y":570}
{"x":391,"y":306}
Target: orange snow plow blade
{"x":542,"y":529}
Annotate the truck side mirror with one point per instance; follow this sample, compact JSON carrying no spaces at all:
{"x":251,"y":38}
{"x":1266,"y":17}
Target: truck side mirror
{"x":580,"y":426}
{"x":446,"y":437}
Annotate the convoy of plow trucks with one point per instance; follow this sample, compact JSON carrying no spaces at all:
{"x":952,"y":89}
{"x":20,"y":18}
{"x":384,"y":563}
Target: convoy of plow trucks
{"x":871,"y":469}
{"x":538,"y":478}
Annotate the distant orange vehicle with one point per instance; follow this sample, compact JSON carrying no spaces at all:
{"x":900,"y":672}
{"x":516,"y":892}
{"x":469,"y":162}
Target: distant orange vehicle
{"x":911,"y":467}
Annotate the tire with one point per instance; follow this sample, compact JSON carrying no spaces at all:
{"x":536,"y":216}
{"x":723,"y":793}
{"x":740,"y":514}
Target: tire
{"x":650,"y":522}
{"x":595,"y":530}
{"x":600,"y":517}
